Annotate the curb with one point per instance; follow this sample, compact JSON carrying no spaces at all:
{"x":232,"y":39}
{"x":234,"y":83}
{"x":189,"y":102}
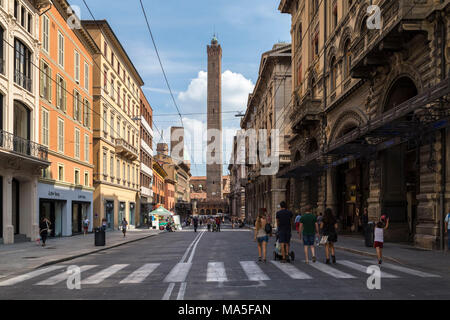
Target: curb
{"x":91,"y":252}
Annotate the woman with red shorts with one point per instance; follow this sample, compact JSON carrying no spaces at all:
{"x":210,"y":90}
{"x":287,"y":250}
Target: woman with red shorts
{"x":379,"y":240}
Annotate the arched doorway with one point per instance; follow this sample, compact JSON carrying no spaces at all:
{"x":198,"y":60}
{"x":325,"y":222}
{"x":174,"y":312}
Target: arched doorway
{"x":352,"y":188}
{"x":400,"y":171}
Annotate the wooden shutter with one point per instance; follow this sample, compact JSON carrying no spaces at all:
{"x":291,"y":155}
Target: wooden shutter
{"x":64,"y":94}
{"x":49,"y":79}
{"x":41,"y":78}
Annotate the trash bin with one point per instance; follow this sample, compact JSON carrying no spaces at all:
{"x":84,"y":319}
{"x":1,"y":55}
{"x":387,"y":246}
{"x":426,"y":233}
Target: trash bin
{"x":99,"y":237}
{"x":369,"y":234}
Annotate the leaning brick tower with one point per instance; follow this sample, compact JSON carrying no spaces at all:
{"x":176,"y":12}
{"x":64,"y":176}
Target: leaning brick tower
{"x":214,"y":106}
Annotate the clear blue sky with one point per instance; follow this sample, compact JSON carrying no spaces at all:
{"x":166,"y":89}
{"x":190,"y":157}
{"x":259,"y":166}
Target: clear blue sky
{"x":182,"y":29}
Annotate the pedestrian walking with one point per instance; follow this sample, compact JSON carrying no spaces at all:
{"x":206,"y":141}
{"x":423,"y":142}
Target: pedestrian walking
{"x":319,"y":220}
{"x":329,"y":227}
{"x":86,"y":223}
{"x":44,"y":229}
{"x":308,"y":224}
{"x":382,"y":225}
{"x":297,"y":220}
{"x":447,"y":228}
{"x":218,"y":222}
{"x":364,"y":220}
{"x":124,"y":227}
{"x":208,"y":224}
{"x":104,"y":224}
{"x":284,"y":218}
{"x":195,"y":224}
{"x":261,"y":235}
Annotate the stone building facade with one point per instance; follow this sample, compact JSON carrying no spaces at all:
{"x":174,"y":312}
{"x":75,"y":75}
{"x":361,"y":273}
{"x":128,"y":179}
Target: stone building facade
{"x":370,"y":114}
{"x":268,"y":108}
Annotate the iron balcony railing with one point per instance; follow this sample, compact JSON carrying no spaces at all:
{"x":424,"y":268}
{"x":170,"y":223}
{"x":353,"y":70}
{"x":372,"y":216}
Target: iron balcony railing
{"x":23,"y":80}
{"x":22,"y":146}
{"x":123,"y":146}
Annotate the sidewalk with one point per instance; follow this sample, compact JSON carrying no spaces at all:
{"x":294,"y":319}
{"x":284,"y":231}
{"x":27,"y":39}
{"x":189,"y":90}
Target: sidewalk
{"x":20,"y":257}
{"x":405,"y":254}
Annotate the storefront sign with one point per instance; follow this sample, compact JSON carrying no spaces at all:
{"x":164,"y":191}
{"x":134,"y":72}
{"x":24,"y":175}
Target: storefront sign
{"x":81,"y":197}
{"x":53,"y":194}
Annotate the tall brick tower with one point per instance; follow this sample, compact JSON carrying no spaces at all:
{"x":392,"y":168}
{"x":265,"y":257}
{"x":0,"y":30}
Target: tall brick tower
{"x":214,"y":149}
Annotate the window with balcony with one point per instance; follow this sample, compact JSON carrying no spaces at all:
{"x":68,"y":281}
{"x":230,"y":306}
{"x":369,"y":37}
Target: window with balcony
{"x":21,"y":127}
{"x":22,"y":65}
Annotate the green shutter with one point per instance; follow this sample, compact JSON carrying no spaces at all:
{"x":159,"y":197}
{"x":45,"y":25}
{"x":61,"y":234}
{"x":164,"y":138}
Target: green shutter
{"x":41,"y":79}
{"x":49,"y":85}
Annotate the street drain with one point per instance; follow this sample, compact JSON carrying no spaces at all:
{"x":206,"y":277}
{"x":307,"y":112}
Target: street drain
{"x":30,"y":257}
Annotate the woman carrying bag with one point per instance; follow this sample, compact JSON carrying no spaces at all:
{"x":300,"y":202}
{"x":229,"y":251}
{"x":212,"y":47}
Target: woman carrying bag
{"x":329,"y":234}
{"x":262,"y":235}
{"x":44,"y":229}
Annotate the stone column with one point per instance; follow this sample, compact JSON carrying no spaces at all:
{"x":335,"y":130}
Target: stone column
{"x":8,"y":229}
{"x":331,"y":190}
{"x":34,"y":213}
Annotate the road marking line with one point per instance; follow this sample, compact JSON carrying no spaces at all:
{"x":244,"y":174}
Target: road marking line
{"x":362,"y":268}
{"x":195,"y":248}
{"x":189,"y":248}
{"x":62,"y":276}
{"x":331,"y":271}
{"x":253,"y":272}
{"x":141,"y":274}
{"x":168,"y":292}
{"x":407,"y":270}
{"x":181,"y":291}
{"x":216,"y":272}
{"x":291,"y":271}
{"x":29,"y":275}
{"x":102,"y":275}
{"x":178,"y":273}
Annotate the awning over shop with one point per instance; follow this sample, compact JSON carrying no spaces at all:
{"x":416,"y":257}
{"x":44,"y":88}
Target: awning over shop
{"x":412,"y":119}
{"x":161,"y":211}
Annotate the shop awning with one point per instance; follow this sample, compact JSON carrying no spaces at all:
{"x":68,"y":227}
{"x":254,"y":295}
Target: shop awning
{"x":161,"y":211}
{"x":409,"y":120}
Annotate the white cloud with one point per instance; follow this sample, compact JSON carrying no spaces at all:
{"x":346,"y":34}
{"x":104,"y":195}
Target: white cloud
{"x":235,"y":90}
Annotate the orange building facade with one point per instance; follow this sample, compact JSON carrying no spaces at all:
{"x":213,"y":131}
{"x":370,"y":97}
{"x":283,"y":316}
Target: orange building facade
{"x":65,"y":189}
{"x":159,"y":176}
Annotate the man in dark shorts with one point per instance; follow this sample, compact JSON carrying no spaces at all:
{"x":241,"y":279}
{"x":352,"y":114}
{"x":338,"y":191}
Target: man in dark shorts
{"x":284,"y":223}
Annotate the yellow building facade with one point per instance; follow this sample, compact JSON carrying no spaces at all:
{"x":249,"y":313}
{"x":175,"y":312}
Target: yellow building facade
{"x":116,"y":130}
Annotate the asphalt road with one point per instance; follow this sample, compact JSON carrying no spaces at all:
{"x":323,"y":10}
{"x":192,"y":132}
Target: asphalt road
{"x":220,"y":266}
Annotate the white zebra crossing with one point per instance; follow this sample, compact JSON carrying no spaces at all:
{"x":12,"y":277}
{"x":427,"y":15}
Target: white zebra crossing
{"x":216,"y":272}
{"x":363,"y":269}
{"x":28,"y":276}
{"x":291,"y":271}
{"x":253,"y":272}
{"x":141,"y":274}
{"x":407,"y":270}
{"x":335,"y":273}
{"x":62,"y":276}
{"x":102,"y":275}
{"x":179,"y":272}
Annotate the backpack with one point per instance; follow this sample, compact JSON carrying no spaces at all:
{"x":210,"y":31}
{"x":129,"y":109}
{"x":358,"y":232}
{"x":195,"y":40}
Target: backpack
{"x":268,"y":228}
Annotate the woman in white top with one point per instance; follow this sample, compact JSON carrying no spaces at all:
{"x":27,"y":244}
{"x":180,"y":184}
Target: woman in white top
{"x":382,"y":225}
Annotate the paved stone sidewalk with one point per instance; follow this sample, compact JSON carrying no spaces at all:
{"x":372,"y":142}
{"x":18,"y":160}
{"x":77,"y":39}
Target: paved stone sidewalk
{"x":20,"y":257}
